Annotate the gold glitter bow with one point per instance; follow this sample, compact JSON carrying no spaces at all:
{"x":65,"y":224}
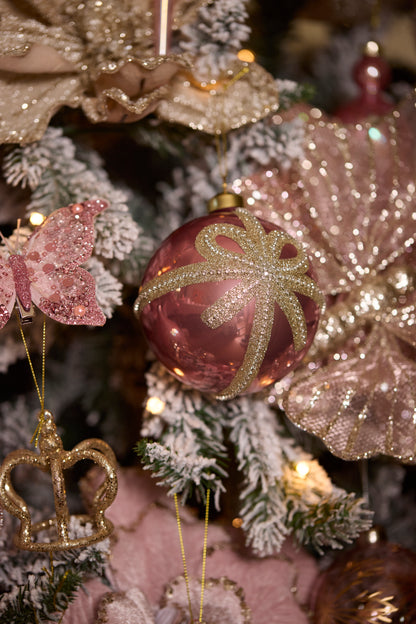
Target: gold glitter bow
{"x":264,"y":276}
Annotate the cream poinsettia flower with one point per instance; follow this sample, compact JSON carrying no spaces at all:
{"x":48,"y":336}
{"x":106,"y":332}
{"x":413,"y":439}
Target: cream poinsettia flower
{"x":97,"y":55}
{"x":111,"y":59}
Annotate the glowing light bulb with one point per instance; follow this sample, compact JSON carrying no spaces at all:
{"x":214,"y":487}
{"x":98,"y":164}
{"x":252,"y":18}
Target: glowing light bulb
{"x":154,"y":405}
{"x":36,"y":218}
{"x":178,"y":372}
{"x":302,"y":468}
{"x":375,"y":134}
{"x":373,"y":71}
{"x":372,"y":48}
{"x":237,"y":523}
{"x":246,"y":56}
{"x":373,"y":536}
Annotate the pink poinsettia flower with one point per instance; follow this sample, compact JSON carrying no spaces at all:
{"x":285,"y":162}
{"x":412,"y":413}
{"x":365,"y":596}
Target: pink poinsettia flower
{"x":147,"y":573}
{"x":350,"y":202}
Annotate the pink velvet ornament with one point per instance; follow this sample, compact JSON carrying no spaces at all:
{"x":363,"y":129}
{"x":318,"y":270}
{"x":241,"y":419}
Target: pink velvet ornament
{"x":372,"y":75}
{"x":228,"y":303}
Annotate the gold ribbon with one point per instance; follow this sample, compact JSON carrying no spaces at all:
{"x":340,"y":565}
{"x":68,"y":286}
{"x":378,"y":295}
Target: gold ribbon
{"x":263,"y":276}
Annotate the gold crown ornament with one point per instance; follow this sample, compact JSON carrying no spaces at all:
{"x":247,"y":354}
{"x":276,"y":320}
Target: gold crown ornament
{"x":54,"y":459}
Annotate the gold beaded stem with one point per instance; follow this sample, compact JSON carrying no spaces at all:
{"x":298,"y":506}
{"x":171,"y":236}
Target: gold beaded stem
{"x":185,"y":569}
{"x":221,"y":137}
{"x":204,"y":557}
{"x":221,"y":144}
{"x":40,"y":392}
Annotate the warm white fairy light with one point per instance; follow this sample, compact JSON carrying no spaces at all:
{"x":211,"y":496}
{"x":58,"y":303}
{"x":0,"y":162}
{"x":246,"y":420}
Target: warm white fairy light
{"x":36,"y":218}
{"x":154,"y":405}
{"x":373,"y":536}
{"x":302,"y":468}
{"x":246,"y":56}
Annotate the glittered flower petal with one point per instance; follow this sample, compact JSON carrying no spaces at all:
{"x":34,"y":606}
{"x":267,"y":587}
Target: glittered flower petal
{"x":7,"y":293}
{"x":60,"y":287}
{"x":66,"y":236}
{"x":234,"y":104}
{"x":223,"y":600}
{"x":363,"y":406}
{"x":54,"y":54}
{"x":129,"y":607}
{"x":27,"y":104}
{"x":68,"y":296}
{"x":132,"y":90}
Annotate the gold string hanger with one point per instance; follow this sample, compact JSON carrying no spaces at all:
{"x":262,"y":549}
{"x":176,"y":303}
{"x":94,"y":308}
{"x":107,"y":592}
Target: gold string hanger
{"x":52,"y":458}
{"x":204,"y":559}
{"x":225,"y":199}
{"x":39,"y":390}
{"x":375,"y":15}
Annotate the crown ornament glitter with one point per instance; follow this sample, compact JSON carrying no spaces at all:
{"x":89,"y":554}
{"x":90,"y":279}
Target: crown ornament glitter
{"x":54,"y":459}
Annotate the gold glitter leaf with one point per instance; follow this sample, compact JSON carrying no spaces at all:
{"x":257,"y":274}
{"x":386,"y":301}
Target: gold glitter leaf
{"x":250,"y":94}
{"x":264,"y":276}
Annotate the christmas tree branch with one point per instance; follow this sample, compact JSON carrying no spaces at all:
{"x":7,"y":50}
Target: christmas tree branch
{"x":190,"y":454}
{"x":34,"y":591}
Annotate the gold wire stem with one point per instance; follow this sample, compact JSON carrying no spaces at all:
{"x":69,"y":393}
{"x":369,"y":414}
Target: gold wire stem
{"x":243,"y":71}
{"x":375,"y":15}
{"x":204,"y":555}
{"x":43,"y":362}
{"x":58,"y":589}
{"x":221,"y":145}
{"x":51,"y":572}
{"x":185,"y":568}
{"x":40,"y":391}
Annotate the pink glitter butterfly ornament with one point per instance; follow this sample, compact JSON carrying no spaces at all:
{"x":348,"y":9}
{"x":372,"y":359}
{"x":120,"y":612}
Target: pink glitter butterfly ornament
{"x":46,"y":269}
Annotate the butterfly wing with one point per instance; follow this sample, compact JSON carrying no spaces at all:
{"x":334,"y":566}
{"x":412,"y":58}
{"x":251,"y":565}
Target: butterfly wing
{"x":7,"y":292}
{"x":362,"y":406}
{"x":60,"y":287}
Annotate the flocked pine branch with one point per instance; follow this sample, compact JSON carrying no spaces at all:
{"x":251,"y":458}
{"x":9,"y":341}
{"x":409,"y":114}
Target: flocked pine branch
{"x":291,"y":92}
{"x":34,"y":592}
{"x":130,"y":270}
{"x":275,"y":500}
{"x":12,"y":349}
{"x":216,"y":36}
{"x":319,"y":513}
{"x":62,"y":178}
{"x":261,"y":458}
{"x":16,"y":425}
{"x":181,"y":469}
{"x":107,"y":287}
{"x":190,"y":454}
{"x":250,"y":149}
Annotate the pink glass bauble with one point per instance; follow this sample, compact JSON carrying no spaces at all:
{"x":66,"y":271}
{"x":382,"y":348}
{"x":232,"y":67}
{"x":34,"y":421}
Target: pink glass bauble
{"x":372,"y":74}
{"x":207,"y":358}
